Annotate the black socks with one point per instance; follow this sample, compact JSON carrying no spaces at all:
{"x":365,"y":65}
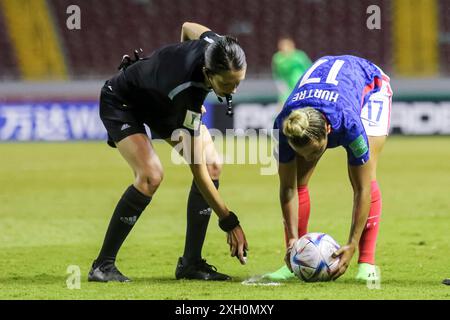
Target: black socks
{"x":198,"y":214}
{"x":127,"y":212}
{"x":130,"y":207}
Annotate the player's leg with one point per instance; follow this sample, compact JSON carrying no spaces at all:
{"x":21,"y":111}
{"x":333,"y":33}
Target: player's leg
{"x":375,"y":117}
{"x":304,"y":173}
{"x":367,"y":243}
{"x":138,"y":151}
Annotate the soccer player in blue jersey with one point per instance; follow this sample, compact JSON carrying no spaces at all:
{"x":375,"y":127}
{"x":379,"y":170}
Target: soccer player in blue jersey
{"x":339,"y":101}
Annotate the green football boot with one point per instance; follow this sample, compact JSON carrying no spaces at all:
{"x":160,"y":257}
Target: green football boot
{"x":281,"y":274}
{"x":367,"y":272}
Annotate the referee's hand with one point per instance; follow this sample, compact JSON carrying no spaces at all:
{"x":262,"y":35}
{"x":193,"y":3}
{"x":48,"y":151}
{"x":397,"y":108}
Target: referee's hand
{"x":238,"y":244}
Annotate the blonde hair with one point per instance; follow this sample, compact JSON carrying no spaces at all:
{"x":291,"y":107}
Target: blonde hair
{"x":305,"y":125}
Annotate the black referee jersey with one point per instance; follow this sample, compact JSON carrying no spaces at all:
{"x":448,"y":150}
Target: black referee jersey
{"x":167,"y":88}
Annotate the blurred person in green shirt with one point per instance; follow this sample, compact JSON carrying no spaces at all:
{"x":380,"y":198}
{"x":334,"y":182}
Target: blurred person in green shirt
{"x":288,"y":65}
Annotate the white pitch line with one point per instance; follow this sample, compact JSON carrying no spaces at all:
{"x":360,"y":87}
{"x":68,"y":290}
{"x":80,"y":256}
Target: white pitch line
{"x":258,"y":281}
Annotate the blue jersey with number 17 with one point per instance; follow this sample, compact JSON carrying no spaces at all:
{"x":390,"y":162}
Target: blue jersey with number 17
{"x":338,"y":87}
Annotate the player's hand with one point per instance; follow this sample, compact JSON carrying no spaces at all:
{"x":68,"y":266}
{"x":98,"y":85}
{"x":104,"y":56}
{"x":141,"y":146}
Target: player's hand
{"x":345,"y":254}
{"x":287,"y":257}
{"x":238,"y":244}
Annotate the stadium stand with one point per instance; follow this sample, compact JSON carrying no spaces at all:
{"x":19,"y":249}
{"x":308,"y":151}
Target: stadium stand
{"x":111,"y":28}
{"x":8,"y":65}
{"x":444,"y":39}
{"x":103,"y":39}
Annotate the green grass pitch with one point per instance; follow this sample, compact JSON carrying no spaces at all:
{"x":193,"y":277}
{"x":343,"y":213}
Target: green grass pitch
{"x":56,"y":200}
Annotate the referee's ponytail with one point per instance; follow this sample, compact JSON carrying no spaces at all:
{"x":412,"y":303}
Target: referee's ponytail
{"x":224,"y":54}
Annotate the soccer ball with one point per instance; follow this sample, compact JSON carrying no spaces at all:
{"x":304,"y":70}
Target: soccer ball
{"x":311,"y":258}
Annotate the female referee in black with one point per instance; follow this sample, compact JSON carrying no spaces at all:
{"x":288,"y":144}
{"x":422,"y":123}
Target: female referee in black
{"x":166,"y":91}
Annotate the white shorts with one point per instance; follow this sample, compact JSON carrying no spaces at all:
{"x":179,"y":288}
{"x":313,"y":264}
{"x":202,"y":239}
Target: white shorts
{"x":376,"y":113}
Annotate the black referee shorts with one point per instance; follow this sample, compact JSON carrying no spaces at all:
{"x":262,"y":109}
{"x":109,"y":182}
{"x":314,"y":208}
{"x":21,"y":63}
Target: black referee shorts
{"x":120,"y":120}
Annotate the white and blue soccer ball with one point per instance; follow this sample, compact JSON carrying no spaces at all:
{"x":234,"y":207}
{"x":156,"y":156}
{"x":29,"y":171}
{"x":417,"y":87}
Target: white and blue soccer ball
{"x":311,"y":257}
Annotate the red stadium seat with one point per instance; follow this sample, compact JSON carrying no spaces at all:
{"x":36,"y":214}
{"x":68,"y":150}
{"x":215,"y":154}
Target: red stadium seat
{"x":110,"y":28}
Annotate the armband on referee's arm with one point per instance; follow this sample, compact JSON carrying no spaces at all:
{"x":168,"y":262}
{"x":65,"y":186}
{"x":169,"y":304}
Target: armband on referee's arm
{"x":229,"y":222}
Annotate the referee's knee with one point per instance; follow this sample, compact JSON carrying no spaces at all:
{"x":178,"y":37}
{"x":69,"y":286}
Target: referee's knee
{"x":148,"y":181}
